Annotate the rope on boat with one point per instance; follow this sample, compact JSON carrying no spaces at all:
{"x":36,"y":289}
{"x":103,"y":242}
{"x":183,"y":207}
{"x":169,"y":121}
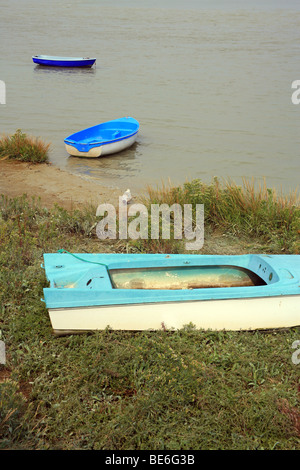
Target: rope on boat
{"x":81,"y":259}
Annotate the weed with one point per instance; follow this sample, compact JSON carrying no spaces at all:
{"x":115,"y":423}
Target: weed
{"x":25,"y":148}
{"x":247,"y":210}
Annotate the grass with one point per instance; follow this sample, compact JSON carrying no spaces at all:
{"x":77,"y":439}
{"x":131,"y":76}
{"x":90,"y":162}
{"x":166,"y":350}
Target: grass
{"x":247,"y":211}
{"x":121,"y":390}
{"x":24,"y":148}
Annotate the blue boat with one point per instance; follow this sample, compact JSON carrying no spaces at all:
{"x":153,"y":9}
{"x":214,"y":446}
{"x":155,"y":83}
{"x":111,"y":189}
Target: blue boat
{"x":154,"y":291}
{"x":103,"y":139}
{"x":55,"y":61}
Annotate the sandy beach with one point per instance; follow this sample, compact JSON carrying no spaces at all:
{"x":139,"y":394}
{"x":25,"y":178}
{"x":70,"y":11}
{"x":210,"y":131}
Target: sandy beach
{"x":52,"y":185}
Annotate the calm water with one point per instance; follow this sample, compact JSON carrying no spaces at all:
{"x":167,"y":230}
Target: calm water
{"x":208,"y":80}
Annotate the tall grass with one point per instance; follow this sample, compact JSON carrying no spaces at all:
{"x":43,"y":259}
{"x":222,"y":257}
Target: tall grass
{"x":250,"y":210}
{"x":22,"y":147}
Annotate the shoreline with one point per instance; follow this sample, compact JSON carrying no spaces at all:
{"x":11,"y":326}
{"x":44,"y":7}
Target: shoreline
{"x":53,"y":185}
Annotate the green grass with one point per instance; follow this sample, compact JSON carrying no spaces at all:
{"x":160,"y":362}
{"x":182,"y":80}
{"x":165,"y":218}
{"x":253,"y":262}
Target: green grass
{"x":24,"y":148}
{"x":251,"y":211}
{"x":121,"y":390}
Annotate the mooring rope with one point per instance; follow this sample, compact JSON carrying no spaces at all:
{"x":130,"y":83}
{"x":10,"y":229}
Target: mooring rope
{"x":81,"y":259}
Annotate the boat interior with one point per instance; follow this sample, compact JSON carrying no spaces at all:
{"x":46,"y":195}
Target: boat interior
{"x":107,"y":131}
{"x":193,"y":277}
{"x":177,"y":276}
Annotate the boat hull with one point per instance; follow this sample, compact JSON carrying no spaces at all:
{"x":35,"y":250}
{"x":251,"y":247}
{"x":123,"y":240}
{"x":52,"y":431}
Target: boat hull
{"x":247,"y":292}
{"x":103,"y":139}
{"x":232,"y":315}
{"x":102,"y":150}
{"x":52,"y":61}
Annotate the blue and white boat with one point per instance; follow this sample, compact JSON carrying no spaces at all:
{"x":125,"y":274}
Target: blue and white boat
{"x":103,"y":139}
{"x":56,"y":61}
{"x":154,"y":291}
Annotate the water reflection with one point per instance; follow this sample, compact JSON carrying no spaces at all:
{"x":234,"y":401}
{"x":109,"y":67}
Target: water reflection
{"x":114,"y":165}
{"x":65,"y":70}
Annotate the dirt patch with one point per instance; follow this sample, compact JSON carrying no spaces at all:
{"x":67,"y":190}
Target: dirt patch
{"x":52,"y":185}
{"x":23,"y":387}
{"x":4,"y":374}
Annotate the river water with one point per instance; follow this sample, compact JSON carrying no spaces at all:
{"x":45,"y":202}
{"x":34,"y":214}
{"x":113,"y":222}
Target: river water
{"x":208,"y":80}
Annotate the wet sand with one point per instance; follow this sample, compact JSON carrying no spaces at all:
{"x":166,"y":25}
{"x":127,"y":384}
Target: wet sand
{"x":52,"y":185}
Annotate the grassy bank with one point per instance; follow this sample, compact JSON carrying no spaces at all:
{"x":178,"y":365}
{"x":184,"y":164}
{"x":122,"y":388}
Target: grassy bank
{"x":249,"y":211}
{"x":184,"y":389}
{"x":24,"y":148}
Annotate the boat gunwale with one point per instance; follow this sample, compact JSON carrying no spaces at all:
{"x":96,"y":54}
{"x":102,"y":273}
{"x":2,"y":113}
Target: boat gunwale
{"x":104,"y":142}
{"x":184,"y":301}
{"x":61,"y":58}
{"x":69,"y":141}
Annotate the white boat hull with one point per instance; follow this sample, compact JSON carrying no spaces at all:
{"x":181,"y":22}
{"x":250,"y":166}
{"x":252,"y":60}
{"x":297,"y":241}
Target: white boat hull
{"x":102,"y":150}
{"x":229,"y":314}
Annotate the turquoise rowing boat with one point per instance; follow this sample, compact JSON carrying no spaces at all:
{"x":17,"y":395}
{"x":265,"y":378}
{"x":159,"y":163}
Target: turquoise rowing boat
{"x":153,"y":291}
